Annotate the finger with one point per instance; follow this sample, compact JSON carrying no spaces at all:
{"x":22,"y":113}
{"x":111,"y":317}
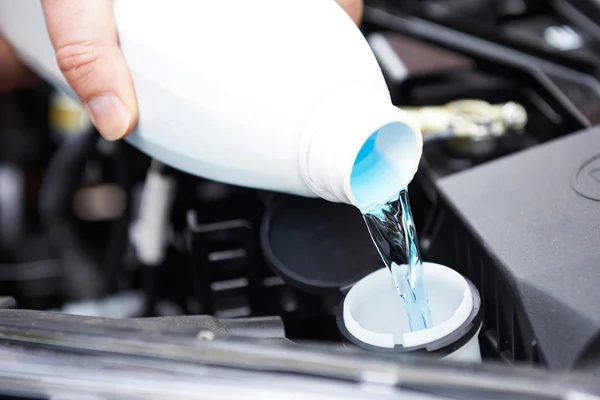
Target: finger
{"x":13,"y":75}
{"x":354,"y":8}
{"x":84,"y":35}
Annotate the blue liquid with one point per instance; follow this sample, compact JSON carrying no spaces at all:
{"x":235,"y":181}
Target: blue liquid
{"x":393,"y":232}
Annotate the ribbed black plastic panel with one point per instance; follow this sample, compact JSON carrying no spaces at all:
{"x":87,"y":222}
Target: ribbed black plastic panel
{"x":526,"y":230}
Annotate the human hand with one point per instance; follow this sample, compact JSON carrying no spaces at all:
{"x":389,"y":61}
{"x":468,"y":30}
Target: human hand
{"x":354,"y":8}
{"x":84,"y":36}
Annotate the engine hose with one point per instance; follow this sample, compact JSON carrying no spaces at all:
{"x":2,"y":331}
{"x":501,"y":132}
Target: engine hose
{"x":83,"y":278}
{"x":119,"y":233}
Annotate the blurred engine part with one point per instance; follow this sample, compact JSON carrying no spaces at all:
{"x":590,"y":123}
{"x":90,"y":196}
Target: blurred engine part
{"x":401,"y":57}
{"x":199,"y":357}
{"x":67,"y":117}
{"x":475,"y":119}
{"x":82,"y":276}
{"x":12,"y":205}
{"x":101,"y":202}
{"x":97,"y":327}
{"x":471,"y":127}
{"x":150,"y":230}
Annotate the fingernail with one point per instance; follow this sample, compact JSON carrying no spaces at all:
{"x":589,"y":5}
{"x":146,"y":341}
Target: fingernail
{"x":109,"y":115}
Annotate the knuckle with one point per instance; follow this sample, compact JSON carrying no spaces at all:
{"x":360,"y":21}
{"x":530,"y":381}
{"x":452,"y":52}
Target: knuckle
{"x":77,"y":60}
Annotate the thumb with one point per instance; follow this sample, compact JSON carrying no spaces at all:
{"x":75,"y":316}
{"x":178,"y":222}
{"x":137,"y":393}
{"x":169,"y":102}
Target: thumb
{"x":84,"y":35}
{"x":354,"y":8}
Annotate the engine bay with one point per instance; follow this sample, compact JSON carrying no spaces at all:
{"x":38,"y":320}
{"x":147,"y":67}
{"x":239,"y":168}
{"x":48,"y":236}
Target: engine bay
{"x":241,"y":279}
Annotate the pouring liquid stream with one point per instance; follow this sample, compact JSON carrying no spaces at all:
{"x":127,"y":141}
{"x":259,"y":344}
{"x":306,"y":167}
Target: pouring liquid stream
{"x":393,"y":232}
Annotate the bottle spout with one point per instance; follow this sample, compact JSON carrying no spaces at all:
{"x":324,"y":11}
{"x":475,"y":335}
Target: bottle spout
{"x":385,"y":164}
{"x":360,"y":149}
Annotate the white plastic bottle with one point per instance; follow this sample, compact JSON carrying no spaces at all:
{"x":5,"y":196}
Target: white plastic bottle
{"x":271,"y":94}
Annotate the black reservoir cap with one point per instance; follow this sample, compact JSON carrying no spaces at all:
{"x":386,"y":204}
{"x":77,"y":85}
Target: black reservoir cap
{"x":315,"y":245}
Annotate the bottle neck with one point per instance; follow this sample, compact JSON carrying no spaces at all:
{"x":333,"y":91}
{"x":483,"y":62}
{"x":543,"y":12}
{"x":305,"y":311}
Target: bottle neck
{"x":359,"y":149}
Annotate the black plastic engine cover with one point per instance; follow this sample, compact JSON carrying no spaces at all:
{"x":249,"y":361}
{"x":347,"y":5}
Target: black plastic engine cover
{"x":526,"y":230}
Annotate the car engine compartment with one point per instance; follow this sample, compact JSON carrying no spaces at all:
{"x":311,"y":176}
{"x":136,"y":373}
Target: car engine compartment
{"x":252,"y":281}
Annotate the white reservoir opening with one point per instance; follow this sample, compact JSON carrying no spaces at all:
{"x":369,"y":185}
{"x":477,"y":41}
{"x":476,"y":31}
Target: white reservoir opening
{"x":374,"y":314}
